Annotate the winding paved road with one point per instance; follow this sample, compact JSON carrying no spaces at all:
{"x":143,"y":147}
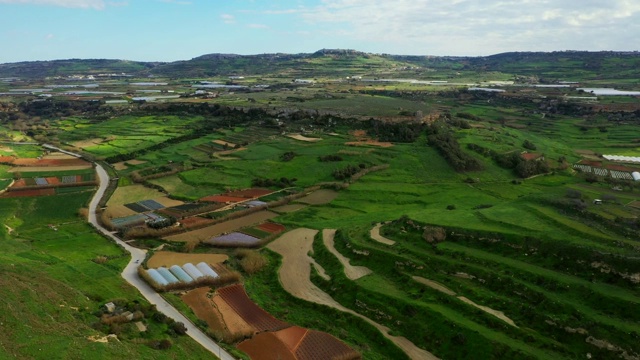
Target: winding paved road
{"x":130,"y":274}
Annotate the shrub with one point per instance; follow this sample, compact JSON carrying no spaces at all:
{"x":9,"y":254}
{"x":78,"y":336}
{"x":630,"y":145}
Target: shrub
{"x":251,"y":261}
{"x":451,"y":207}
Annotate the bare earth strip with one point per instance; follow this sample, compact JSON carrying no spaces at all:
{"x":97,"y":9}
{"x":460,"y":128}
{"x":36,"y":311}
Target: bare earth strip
{"x":375,"y":235}
{"x":221,"y":155}
{"x":117,"y":211}
{"x":236,"y":326}
{"x":319,"y":197}
{"x":167,"y":258}
{"x":224,"y":227}
{"x":434,"y":285}
{"x":168,"y":202}
{"x":48,"y":168}
{"x":352,"y":272}
{"x":303,"y":138}
{"x":294,"y":275}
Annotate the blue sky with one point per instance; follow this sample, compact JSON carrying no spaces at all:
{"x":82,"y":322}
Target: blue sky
{"x":168,"y":30}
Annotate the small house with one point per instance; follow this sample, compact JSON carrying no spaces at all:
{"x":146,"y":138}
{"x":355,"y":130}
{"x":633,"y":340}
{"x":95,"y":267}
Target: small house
{"x":597,"y":202}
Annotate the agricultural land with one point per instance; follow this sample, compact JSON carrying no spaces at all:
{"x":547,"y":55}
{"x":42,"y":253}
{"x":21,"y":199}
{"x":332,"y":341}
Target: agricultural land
{"x":335,"y":205}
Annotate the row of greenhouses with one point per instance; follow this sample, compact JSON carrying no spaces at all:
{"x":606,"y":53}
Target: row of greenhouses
{"x":186,"y":273}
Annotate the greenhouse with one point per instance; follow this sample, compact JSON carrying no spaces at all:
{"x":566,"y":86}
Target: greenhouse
{"x":206,"y":270}
{"x":192,"y":271}
{"x":180,"y":274}
{"x":168,"y":275}
{"x":157,"y":278}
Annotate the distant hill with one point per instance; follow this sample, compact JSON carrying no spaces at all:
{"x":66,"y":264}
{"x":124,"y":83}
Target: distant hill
{"x":339,"y":62}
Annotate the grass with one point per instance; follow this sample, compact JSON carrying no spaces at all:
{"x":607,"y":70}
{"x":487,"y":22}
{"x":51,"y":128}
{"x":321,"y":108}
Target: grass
{"x":50,"y":286}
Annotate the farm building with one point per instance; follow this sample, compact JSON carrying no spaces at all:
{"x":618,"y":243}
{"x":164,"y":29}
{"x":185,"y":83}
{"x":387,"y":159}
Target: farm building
{"x":531,"y":156}
{"x":206,"y":270}
{"x":622,"y":158}
{"x":171,"y":279}
{"x":192,"y":271}
{"x":180,"y":274}
{"x":155,"y":276}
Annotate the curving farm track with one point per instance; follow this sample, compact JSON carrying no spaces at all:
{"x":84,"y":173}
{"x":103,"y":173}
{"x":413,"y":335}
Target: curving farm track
{"x":130,"y":273}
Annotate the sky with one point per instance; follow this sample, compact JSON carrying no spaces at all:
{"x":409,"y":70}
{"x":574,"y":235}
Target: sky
{"x":169,"y":30}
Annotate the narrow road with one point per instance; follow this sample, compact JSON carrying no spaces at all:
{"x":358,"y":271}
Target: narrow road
{"x":130,"y":274}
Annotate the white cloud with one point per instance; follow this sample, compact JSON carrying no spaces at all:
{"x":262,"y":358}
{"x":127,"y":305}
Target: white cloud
{"x":49,"y":37}
{"x":228,"y":18}
{"x":258,"y":26}
{"x":83,"y":4}
{"x":478,"y":27}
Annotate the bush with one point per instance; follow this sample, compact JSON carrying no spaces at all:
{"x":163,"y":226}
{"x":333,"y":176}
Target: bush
{"x":451,"y":207}
{"x":251,"y":261}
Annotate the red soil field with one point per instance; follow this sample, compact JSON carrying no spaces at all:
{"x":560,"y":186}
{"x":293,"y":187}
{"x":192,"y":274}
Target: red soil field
{"x":26,"y":193}
{"x":53,"y":180}
{"x":292,"y":336}
{"x":51,"y":162}
{"x":201,"y":305}
{"x":194,"y":221}
{"x":272,"y":228}
{"x":317,"y":345}
{"x":7,"y":159}
{"x":265,"y":346}
{"x":20,"y":183}
{"x":222,"y":199}
{"x":591,"y":163}
{"x":255,"y":316}
{"x":250,"y":193}
{"x":620,"y":168}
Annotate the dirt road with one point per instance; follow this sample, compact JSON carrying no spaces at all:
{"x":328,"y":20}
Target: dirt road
{"x":294,"y":274}
{"x":352,"y":272}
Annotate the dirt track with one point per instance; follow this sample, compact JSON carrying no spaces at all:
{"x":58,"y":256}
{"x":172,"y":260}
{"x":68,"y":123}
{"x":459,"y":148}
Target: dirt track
{"x":303,"y":138}
{"x":375,"y":235}
{"x":352,"y":272}
{"x":294,"y":275}
{"x":443,"y":289}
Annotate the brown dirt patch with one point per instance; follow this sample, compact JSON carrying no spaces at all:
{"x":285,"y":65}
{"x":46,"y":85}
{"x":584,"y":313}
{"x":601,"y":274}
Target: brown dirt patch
{"x":237,"y":298}
{"x":87,"y":143}
{"x":289,"y":208}
{"x":28,"y":193}
{"x":204,"y":309}
{"x":317,"y":345}
{"x":319,"y":197}
{"x":120,"y":166}
{"x":52,"y":180}
{"x":223,"y":143}
{"x":266,"y":346}
{"x":352,"y":272}
{"x":7,"y":159}
{"x":163,"y":200}
{"x":47,"y":168}
{"x":167,"y":258}
{"x":225,"y":227}
{"x":58,"y":156}
{"x":220,"y":154}
{"x":375,"y":235}
{"x":272,"y":228}
{"x":294,"y":273}
{"x":236,"y":327}
{"x":223,"y":199}
{"x":303,"y":138}
{"x":620,"y":168}
{"x":291,"y":336}
{"x":118,"y":211}
{"x":194,"y":221}
{"x":135,"y":162}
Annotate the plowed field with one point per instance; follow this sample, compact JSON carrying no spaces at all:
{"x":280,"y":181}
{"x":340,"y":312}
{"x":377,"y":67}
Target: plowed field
{"x":319,"y":197}
{"x":255,"y":316}
{"x":318,"y":345}
{"x":167,"y":258}
{"x":223,"y":199}
{"x":204,"y":309}
{"x":272,"y":228}
{"x":225,"y":227}
{"x":266,"y":346}
{"x":26,"y":193}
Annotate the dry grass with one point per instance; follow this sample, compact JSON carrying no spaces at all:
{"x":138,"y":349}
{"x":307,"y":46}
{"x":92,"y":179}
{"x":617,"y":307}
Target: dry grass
{"x":251,"y":261}
{"x":167,"y":258}
{"x":132,"y":193}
